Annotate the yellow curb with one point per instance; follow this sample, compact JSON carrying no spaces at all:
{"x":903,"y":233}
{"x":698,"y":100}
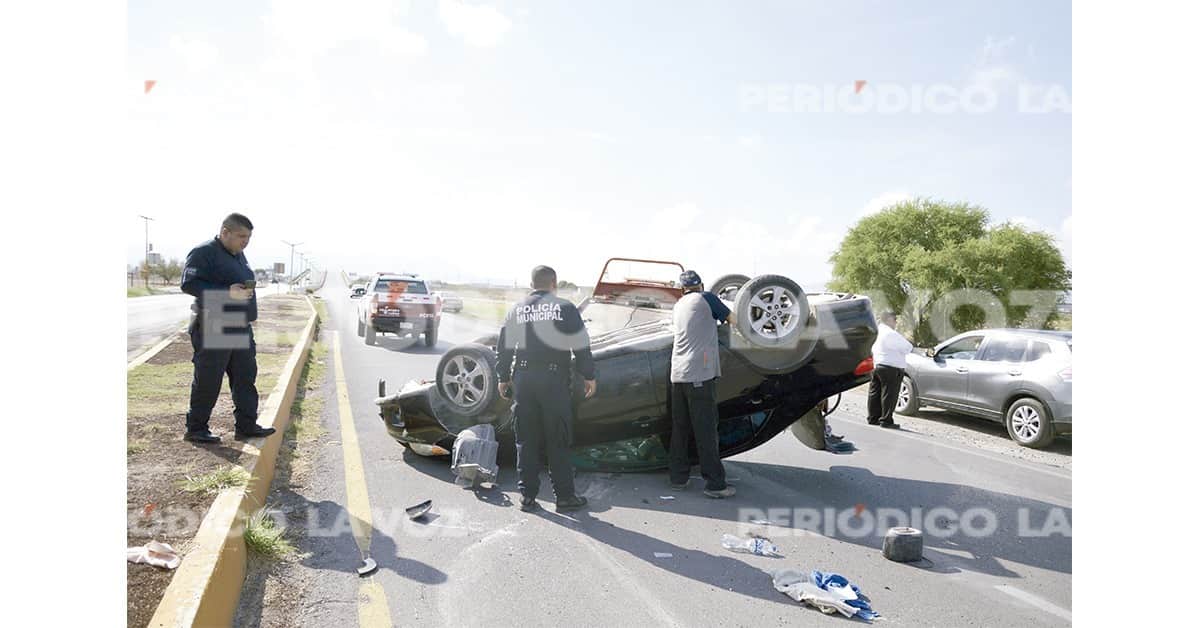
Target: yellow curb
{"x":208,"y":584}
{"x":153,"y":351}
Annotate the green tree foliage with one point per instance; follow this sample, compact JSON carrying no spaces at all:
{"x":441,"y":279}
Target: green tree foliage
{"x":169,"y":272}
{"x":945,"y":270}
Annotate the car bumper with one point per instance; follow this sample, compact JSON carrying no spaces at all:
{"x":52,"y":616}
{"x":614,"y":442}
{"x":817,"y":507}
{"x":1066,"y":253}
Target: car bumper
{"x":402,"y":324}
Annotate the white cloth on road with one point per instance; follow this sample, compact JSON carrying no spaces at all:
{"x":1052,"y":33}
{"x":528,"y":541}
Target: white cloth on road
{"x":154,"y":553}
{"x":890,"y":348}
{"x":798,"y":586}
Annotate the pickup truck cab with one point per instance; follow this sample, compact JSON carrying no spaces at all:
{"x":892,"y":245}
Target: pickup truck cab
{"x":400,"y":304}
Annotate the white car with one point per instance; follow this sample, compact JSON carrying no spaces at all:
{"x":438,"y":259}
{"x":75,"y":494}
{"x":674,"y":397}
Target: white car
{"x":399,"y":304}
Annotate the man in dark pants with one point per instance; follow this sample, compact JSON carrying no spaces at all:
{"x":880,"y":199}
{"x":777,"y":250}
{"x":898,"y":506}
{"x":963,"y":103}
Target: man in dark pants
{"x":889,"y":353}
{"x":540,"y":334}
{"x":216,"y":273}
{"x":695,"y":367}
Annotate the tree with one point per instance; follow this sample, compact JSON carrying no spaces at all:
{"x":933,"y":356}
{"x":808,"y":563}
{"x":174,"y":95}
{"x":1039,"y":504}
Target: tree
{"x":944,"y":270}
{"x":169,"y":272}
{"x":564,"y":284}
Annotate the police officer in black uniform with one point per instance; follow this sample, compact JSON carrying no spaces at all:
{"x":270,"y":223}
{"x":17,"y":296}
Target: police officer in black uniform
{"x":541,"y":333}
{"x":217,"y":274}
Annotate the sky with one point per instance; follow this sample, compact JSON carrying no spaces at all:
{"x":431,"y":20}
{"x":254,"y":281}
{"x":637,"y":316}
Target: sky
{"x":472,"y":141}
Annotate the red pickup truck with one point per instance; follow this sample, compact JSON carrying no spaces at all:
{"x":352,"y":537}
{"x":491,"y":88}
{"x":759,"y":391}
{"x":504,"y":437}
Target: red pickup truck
{"x":400,"y":304}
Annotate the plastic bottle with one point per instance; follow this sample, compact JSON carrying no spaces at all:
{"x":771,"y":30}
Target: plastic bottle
{"x":761,"y":547}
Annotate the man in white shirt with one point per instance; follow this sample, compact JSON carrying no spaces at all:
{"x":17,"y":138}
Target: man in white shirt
{"x":889,"y":353}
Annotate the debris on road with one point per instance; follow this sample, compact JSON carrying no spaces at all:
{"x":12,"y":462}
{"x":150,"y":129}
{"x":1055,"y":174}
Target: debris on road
{"x":474,"y":457}
{"x":666,"y":497}
{"x":757,"y":545}
{"x":903,"y":545}
{"x":154,"y":553}
{"x":368,"y":567}
{"x":827,"y":592}
{"x":663,"y":555}
{"x":420,"y":510}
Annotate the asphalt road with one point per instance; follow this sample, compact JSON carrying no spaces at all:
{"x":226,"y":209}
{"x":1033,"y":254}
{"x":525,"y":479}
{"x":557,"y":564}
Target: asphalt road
{"x":150,"y":319}
{"x":636,"y":559}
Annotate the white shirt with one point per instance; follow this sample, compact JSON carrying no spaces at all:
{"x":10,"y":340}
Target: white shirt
{"x":890,"y":348}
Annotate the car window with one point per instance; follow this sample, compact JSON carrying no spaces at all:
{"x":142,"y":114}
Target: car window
{"x":400,"y":286}
{"x":1004,"y":350}
{"x":1038,"y":351}
{"x":961,"y":349}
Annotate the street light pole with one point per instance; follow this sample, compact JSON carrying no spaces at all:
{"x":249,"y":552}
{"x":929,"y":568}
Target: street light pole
{"x":146,"y":258}
{"x":292,"y":260}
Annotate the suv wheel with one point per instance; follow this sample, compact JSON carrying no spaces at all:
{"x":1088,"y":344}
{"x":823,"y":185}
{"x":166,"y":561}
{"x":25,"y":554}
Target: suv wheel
{"x":1029,"y":424}
{"x":362,"y":329}
{"x":906,"y":401}
{"x":370,"y":334}
{"x":431,"y":337}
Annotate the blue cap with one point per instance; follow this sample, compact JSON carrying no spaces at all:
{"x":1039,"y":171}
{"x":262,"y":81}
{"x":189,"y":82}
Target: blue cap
{"x":689,"y":278}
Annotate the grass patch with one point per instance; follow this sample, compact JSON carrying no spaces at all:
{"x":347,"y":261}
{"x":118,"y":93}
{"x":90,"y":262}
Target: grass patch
{"x":265,"y":538}
{"x":158,"y":389}
{"x":137,"y":292}
{"x":484,"y":310}
{"x":216,"y":481}
{"x":136,"y":447}
{"x":154,"y":429}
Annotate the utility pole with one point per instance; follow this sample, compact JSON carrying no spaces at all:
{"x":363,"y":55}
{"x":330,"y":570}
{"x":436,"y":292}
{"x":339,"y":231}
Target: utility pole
{"x":146,"y":258}
{"x":292,"y":259}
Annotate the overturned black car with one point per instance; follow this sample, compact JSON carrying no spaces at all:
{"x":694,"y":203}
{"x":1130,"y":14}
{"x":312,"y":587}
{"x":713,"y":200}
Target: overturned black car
{"x":790,"y":351}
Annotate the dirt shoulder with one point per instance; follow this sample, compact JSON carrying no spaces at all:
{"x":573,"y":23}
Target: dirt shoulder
{"x":158,"y":505}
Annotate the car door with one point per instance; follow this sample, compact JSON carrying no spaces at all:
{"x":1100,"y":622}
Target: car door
{"x":996,"y":372}
{"x":945,"y":378}
{"x":625,"y":404}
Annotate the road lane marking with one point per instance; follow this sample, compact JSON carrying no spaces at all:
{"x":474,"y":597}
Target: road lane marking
{"x":1036,"y":601}
{"x":372,"y":601}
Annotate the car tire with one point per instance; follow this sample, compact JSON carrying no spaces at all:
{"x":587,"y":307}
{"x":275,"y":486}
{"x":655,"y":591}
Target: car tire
{"x":370,"y":334}
{"x":466,"y":379}
{"x":907,"y":402}
{"x":773,"y":340}
{"x":726,"y":287}
{"x":490,"y":341}
{"x":431,"y":337}
{"x":362,"y":329}
{"x":1029,"y":423}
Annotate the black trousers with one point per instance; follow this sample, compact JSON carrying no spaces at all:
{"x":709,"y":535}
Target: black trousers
{"x":210,"y":365}
{"x":542,"y":404}
{"x":883,"y":393}
{"x":694,"y":412}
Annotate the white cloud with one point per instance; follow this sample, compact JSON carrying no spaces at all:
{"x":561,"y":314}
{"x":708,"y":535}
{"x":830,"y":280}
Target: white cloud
{"x":302,"y":30}
{"x":879,"y":203}
{"x":994,"y":70}
{"x":1064,"y":237}
{"x":477,"y":25}
{"x":198,"y":55}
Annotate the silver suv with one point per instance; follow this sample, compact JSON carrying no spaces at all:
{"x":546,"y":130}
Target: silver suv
{"x":1018,"y":376}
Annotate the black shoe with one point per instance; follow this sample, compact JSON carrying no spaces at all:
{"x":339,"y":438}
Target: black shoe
{"x":872,"y":422}
{"x":529,"y":504}
{"x":891,"y":425}
{"x":202,"y":437}
{"x":574,"y":503}
{"x":255,"y":432}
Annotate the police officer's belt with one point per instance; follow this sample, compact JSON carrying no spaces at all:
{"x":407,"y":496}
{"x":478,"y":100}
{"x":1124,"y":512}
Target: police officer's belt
{"x":548,"y":367}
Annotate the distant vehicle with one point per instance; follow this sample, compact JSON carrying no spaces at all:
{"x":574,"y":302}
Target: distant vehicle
{"x":790,"y":352}
{"x":399,"y":304}
{"x":451,"y":302}
{"x":1019,"y":377}
{"x":357,"y":291}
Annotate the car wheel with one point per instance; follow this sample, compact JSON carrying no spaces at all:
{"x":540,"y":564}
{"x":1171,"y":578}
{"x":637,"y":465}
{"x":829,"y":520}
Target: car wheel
{"x":490,"y":341}
{"x":431,"y":337}
{"x":907,"y":402}
{"x":370,"y":334}
{"x":726,"y":286}
{"x":1029,"y":424}
{"x":466,"y":378}
{"x":775,"y":330}
{"x":362,"y":329}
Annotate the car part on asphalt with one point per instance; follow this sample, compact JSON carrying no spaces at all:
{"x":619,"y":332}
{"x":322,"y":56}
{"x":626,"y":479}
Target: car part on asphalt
{"x":903,"y":545}
{"x":474,"y":452}
{"x":368,"y":567}
{"x":420,"y":510}
{"x":810,"y":429}
{"x":466,"y":377}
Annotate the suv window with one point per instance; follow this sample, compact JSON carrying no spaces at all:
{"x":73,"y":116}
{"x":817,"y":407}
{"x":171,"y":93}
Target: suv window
{"x":961,"y":349}
{"x":1037,"y":351}
{"x":1004,"y":350}
{"x":400,"y":286}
